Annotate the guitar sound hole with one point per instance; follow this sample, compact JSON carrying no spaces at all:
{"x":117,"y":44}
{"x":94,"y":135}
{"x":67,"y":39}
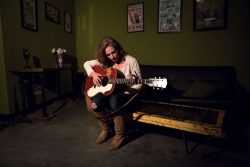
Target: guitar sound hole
{"x":105,"y":81}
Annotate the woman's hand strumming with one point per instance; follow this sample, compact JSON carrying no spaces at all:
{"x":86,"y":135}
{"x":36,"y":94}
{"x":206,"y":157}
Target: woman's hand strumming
{"x":96,"y":78}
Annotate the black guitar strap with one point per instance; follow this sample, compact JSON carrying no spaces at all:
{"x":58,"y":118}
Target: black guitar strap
{"x":136,"y":77}
{"x":120,"y":109}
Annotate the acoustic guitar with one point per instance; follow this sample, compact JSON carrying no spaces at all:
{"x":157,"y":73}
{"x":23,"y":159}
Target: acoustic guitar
{"x":109,"y":79}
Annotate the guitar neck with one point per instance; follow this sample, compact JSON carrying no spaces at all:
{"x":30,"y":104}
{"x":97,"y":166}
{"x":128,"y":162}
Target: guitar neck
{"x":127,"y":81}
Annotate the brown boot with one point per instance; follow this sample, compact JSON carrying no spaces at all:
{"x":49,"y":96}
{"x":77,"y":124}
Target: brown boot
{"x":105,"y":127}
{"x":119,"y":125}
{"x":104,"y":123}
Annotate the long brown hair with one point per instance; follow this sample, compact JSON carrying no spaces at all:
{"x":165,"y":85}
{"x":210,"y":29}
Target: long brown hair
{"x":101,"y":55}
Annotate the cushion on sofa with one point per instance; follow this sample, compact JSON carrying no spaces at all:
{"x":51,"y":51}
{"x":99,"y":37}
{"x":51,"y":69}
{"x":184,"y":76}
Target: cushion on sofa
{"x":200,"y":89}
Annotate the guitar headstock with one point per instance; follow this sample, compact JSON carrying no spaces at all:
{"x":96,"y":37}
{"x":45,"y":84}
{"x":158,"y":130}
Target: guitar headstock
{"x":159,"y":83}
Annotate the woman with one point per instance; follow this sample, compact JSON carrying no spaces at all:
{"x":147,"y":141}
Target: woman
{"x":110,"y":53}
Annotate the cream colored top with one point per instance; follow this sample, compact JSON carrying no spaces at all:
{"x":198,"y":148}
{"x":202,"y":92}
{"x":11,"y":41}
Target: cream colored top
{"x":129,"y":68}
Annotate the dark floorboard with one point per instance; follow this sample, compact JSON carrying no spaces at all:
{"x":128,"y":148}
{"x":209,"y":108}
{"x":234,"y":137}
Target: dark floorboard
{"x":69,"y":140}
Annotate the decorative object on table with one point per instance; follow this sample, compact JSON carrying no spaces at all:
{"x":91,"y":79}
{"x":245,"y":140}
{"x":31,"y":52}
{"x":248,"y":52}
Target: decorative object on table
{"x":209,"y":15}
{"x":59,"y":53}
{"x":135,"y":17}
{"x":29,"y":14}
{"x":169,"y":16}
{"x":26,"y":55}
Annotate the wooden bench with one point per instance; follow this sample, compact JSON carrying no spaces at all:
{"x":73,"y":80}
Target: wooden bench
{"x":200,"y":120}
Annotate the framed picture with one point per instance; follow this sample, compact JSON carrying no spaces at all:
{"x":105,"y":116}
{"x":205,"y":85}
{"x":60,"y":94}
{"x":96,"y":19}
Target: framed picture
{"x":135,"y":17}
{"x":209,"y":15}
{"x":29,"y":17}
{"x":169,"y":16}
{"x":67,"y":22}
{"x":52,"y":13}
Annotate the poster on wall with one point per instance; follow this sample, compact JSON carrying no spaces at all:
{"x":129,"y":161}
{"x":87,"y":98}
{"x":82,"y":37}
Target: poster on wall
{"x":67,"y":22}
{"x":209,"y":14}
{"x":169,"y":16}
{"x":52,"y":13}
{"x":29,"y":14}
{"x":135,"y":17}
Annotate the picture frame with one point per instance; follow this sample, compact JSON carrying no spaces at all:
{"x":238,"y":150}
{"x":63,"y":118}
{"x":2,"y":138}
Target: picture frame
{"x":29,"y":16}
{"x":135,"y":17}
{"x":52,"y":13}
{"x":169,"y":16}
{"x":209,"y":15}
{"x":67,"y":22}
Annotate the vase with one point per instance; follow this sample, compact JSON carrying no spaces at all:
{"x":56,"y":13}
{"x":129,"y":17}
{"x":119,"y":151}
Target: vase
{"x":59,"y":60}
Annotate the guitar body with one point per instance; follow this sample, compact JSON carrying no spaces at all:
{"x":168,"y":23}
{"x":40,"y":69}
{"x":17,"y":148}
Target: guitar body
{"x":91,"y":90}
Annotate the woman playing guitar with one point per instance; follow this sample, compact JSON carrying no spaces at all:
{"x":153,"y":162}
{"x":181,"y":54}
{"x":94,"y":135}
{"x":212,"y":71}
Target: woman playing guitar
{"x":111,"y":59}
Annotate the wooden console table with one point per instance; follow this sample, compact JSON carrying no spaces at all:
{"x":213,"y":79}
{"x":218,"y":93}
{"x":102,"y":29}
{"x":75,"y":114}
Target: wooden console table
{"x":23,"y":73}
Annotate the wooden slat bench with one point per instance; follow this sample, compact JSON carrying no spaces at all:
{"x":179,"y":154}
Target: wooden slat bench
{"x":199,"y":120}
{"x":205,"y":121}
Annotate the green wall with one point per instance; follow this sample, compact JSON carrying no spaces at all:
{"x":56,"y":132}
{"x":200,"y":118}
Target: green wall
{"x":96,"y":19}
{"x":3,"y":91}
{"x":15,"y":38}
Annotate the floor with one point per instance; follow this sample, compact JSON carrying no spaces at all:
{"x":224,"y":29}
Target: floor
{"x":68,"y":139}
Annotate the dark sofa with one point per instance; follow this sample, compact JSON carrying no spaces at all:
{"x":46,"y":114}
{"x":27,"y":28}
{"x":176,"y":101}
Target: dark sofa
{"x":203,"y":86}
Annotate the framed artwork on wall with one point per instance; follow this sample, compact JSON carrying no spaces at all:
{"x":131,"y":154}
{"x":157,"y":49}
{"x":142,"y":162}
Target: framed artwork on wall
{"x":67,"y":22}
{"x":209,"y":15}
{"x":135,"y":18}
{"x":169,"y":16}
{"x":52,"y":13}
{"x":29,"y":17}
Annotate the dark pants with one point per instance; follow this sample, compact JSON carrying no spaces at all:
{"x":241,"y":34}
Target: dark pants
{"x":113,"y":101}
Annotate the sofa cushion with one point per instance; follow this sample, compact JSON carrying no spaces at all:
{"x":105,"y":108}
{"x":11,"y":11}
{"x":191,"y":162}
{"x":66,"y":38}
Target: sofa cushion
{"x":200,"y":89}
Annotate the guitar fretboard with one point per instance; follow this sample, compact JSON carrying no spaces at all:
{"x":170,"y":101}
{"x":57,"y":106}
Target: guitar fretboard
{"x":127,"y":81}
